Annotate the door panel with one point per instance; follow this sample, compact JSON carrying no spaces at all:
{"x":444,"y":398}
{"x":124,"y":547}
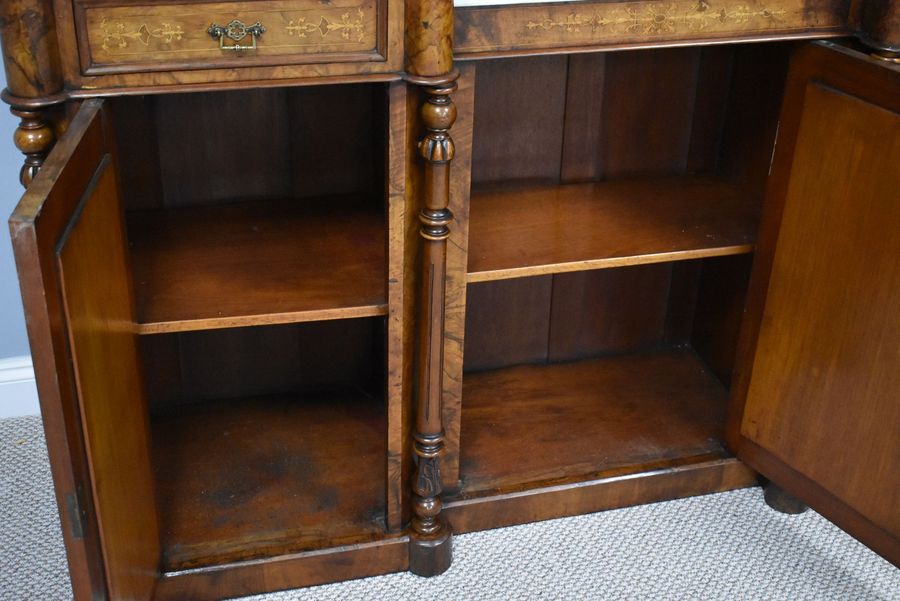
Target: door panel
{"x":69,"y":228}
{"x":817,"y":405}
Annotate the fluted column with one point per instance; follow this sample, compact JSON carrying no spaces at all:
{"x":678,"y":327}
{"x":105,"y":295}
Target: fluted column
{"x":429,"y":64}
{"x":430,"y":552}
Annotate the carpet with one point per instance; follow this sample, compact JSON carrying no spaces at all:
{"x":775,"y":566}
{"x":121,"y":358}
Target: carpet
{"x":728,"y":547}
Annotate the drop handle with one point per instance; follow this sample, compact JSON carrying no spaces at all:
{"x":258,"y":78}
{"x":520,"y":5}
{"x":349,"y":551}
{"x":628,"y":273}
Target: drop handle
{"x":236,"y":31}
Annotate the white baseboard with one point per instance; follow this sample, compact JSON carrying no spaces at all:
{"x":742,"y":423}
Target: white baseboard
{"x":18,"y":393}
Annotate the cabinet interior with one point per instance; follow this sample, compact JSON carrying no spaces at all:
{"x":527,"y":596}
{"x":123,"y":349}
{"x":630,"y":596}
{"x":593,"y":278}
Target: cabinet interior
{"x":614,"y":209}
{"x":252,"y":430}
{"x":612,"y":221}
{"x":292,"y":178}
{"x":258,"y":243}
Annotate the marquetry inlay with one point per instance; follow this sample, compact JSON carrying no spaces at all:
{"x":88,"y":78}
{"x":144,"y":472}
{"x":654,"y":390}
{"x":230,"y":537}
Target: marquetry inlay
{"x":346,"y":25}
{"x":161,"y":33}
{"x":117,"y":34}
{"x":659,"y":17}
{"x":599,"y":23}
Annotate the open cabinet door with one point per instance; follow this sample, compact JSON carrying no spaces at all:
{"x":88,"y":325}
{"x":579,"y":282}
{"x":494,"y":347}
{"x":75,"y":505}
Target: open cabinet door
{"x":816,"y":405}
{"x":71,"y":251}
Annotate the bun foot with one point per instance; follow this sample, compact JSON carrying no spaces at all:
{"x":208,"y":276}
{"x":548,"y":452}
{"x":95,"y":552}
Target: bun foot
{"x":430,"y":556}
{"x":781,"y":501}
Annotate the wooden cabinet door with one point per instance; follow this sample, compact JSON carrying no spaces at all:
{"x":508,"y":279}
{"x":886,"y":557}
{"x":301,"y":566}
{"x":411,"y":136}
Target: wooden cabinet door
{"x":71,"y":250}
{"x":816,"y":404}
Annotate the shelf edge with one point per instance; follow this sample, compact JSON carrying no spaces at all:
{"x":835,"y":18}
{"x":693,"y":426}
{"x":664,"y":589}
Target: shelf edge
{"x":609,"y":262}
{"x":241,"y":321}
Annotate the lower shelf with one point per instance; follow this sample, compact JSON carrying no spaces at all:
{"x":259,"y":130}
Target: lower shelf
{"x":269,"y":476}
{"x":539,"y":425}
{"x":547,"y":441}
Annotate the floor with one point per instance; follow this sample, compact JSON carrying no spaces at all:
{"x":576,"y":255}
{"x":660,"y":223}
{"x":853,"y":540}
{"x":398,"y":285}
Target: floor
{"x":728,"y":547}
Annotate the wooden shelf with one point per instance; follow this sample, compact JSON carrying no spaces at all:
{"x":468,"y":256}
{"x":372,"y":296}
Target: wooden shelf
{"x":532,"y":426}
{"x":259,"y":477}
{"x":256,"y":263}
{"x":518,"y":230}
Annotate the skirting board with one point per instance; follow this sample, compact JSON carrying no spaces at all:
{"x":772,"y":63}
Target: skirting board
{"x":18,"y":393}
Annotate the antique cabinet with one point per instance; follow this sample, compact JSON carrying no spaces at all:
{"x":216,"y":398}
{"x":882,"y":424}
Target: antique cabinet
{"x":306,"y":295}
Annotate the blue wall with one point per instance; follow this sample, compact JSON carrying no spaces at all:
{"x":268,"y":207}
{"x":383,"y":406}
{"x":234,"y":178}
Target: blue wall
{"x":13,"y":341}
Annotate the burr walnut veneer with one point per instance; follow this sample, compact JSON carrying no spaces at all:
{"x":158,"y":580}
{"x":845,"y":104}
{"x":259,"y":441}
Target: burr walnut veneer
{"x":311,"y":286}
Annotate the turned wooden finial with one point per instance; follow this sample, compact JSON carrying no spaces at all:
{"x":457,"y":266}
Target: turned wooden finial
{"x":34,"y":137}
{"x":33,"y":76}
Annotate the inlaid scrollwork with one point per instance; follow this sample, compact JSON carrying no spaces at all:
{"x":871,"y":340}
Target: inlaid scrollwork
{"x":117,"y":34}
{"x":656,"y":18}
{"x":348,"y":26}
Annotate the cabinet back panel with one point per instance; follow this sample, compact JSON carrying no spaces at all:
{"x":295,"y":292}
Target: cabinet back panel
{"x":565,"y":317}
{"x":507,"y":322}
{"x":215,"y":147}
{"x":519,"y":110}
{"x":338,"y":139}
{"x":648,"y":111}
{"x":622,"y":114}
{"x":220,"y":364}
{"x":584,"y":131}
{"x":573,"y":316}
{"x":721,"y":296}
{"x":714,"y":66}
{"x":207,"y":148}
{"x":134,"y":119}
{"x":754,"y":101}
{"x":608,"y":311}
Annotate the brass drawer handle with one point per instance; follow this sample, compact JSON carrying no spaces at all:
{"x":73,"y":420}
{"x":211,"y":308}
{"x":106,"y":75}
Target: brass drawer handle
{"x":236,"y":31}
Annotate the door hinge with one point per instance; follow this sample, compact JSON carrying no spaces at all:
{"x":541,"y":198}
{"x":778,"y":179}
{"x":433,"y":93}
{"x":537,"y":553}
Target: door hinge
{"x":76,"y":514}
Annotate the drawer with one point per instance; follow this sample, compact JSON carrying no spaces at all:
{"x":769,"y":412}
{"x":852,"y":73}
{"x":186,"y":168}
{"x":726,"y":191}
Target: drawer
{"x":121,"y":37}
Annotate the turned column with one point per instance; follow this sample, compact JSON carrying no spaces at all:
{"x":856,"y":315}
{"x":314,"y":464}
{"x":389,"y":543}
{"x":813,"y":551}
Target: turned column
{"x":879,"y":28}
{"x":33,"y":76}
{"x":429,"y":30}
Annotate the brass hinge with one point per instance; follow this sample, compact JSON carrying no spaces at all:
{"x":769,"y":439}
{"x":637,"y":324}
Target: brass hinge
{"x":76,"y":514}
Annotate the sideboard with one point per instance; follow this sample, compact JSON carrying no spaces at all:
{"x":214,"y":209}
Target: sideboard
{"x":313,"y":285}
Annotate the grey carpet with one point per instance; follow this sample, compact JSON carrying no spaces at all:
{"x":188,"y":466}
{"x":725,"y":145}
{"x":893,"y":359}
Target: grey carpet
{"x":727,"y":547}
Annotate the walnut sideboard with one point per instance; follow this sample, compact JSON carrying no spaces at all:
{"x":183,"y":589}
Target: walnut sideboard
{"x":313,"y":285}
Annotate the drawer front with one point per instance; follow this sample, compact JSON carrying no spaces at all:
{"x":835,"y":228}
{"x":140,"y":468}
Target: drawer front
{"x":117,"y":39}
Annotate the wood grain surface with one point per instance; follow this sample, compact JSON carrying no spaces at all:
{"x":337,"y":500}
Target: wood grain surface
{"x":828,"y":228}
{"x":161,"y":37}
{"x":579,"y":419}
{"x":266,"y":476}
{"x":99,"y":480}
{"x":529,"y":28}
{"x":611,"y":224}
{"x":823,"y":396}
{"x":256,"y":263}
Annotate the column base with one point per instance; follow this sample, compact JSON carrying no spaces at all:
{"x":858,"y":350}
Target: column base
{"x":781,"y":501}
{"x":430,"y":556}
